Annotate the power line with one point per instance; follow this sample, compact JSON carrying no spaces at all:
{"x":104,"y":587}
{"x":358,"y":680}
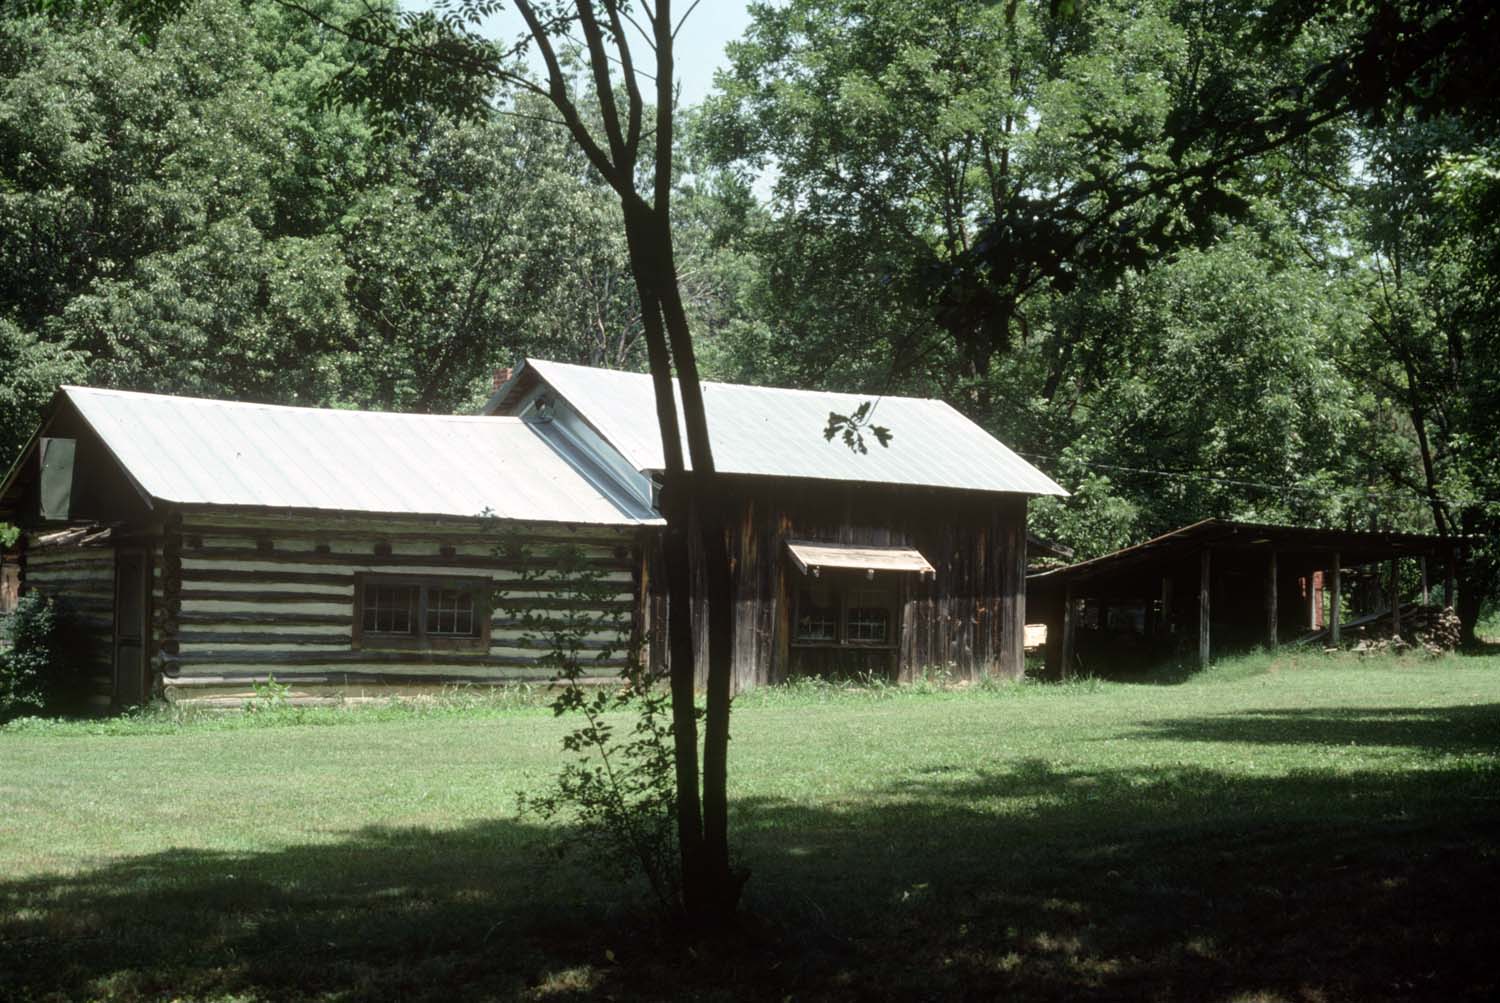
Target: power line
{"x":1189,"y":475}
{"x":1186,"y":475}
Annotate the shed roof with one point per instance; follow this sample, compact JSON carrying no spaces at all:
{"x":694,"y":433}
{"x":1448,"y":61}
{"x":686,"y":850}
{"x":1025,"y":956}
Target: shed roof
{"x":812,"y":555}
{"x":192,"y":451}
{"x":1353,"y":546}
{"x":771,"y":432}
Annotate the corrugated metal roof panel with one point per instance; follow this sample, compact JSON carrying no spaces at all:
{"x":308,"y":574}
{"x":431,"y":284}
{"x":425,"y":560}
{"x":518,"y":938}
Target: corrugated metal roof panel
{"x":206,"y":452}
{"x":779,"y":433}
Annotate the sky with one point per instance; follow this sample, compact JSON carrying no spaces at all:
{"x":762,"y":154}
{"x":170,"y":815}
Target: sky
{"x":700,"y":44}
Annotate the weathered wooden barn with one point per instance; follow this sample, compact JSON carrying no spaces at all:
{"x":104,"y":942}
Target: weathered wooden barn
{"x":903,"y":560}
{"x":1219,"y":585}
{"x":198,"y":546}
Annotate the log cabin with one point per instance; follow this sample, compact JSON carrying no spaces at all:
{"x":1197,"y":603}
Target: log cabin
{"x":899,"y":561}
{"x":200,"y":546}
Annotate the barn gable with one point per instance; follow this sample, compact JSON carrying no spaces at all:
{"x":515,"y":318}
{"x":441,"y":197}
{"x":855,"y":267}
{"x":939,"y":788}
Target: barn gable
{"x":921,"y":545}
{"x":771,"y":432}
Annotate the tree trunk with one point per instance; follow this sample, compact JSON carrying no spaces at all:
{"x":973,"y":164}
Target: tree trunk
{"x":724,"y":886}
{"x":711,"y":890}
{"x":678,"y":572}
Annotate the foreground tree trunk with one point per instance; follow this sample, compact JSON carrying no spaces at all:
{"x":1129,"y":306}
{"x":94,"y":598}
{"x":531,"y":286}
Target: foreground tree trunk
{"x":692,"y":500}
{"x":711,"y":891}
{"x":440,"y":53}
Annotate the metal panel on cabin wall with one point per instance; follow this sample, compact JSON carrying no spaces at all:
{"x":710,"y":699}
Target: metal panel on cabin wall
{"x":57,"y":477}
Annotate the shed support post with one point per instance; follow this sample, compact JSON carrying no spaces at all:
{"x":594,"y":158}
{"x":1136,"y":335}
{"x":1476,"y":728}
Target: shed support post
{"x":1271,"y":625}
{"x":1335,"y":601}
{"x":1069,"y":626}
{"x":1165,"y":626}
{"x":1450,"y":581}
{"x":1426,"y":586}
{"x":1314,"y":600}
{"x":1204,"y":568}
{"x":1395,"y":598}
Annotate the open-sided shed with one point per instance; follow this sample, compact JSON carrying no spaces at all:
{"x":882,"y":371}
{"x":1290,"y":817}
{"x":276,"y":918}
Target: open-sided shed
{"x":1218,"y":584}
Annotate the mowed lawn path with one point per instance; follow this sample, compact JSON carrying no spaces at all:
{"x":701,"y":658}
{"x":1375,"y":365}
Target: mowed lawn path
{"x":1279,"y":828}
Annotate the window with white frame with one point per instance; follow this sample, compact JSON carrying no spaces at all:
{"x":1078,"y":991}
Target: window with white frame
{"x":393,"y":611}
{"x":850,"y":610}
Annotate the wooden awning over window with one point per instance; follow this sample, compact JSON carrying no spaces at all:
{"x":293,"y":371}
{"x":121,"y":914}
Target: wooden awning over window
{"x":811,"y":558}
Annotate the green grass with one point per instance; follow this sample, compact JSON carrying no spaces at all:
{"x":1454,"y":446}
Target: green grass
{"x":1278,"y":828}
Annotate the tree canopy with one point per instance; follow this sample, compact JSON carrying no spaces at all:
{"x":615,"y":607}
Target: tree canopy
{"x":1228,"y":259}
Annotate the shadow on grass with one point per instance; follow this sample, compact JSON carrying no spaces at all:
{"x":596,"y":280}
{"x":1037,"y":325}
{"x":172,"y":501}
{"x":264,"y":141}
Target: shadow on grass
{"x":1433,"y":730}
{"x":1030,"y":882}
{"x":1156,"y":669}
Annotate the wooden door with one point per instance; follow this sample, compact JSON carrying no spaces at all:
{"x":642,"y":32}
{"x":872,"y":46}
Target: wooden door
{"x":132,"y":591}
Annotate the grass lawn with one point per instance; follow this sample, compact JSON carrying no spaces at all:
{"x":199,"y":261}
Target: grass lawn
{"x":1278,"y":828}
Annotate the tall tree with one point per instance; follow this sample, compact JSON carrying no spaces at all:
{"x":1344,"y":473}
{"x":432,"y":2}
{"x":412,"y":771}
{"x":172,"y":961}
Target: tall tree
{"x":185,"y":210}
{"x":951,"y":163}
{"x":626,"y":131}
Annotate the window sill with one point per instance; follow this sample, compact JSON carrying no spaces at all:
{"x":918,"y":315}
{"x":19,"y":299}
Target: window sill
{"x":847,"y":645}
{"x":376,"y":642}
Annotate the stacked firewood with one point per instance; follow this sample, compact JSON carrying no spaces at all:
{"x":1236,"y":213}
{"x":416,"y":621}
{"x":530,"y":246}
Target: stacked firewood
{"x":1433,"y":630}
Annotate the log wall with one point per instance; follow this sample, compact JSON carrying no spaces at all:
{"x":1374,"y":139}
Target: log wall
{"x":243,"y":598}
{"x":78,"y":573}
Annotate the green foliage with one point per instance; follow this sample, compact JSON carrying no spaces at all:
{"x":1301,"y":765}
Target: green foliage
{"x":153,"y":206}
{"x":28,"y":662}
{"x":1108,"y":231}
{"x":938,"y":166}
{"x":189,"y":208}
{"x":271,"y":697}
{"x":33,"y":370}
{"x":1426,"y":355}
{"x":617,"y":790}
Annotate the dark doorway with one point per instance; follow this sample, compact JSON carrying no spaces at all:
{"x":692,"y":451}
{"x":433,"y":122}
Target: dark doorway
{"x":132,"y":588}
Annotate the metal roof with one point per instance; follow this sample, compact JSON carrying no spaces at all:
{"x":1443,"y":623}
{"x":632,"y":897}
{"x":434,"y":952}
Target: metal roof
{"x":779,"y":433}
{"x":193,"y":451}
{"x":1354,"y":547}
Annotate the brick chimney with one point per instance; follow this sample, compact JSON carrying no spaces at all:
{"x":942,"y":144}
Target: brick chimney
{"x":502,"y":377}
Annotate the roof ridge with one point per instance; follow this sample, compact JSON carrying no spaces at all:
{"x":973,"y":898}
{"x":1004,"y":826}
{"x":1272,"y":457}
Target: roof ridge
{"x":751,"y":386}
{"x":71,"y":389}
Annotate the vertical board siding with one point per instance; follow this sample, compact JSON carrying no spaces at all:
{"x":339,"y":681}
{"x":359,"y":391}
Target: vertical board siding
{"x":966,"y":622}
{"x":257,"y":596}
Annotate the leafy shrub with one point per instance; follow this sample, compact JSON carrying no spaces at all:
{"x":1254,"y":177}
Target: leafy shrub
{"x":617,"y":787}
{"x":27,"y":656}
{"x":271,"y":697}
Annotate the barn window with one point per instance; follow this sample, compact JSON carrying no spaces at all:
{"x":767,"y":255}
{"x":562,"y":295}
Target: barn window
{"x":846,"y":610}
{"x":817,"y":614}
{"x":869,"y":617}
{"x":402,"y":613}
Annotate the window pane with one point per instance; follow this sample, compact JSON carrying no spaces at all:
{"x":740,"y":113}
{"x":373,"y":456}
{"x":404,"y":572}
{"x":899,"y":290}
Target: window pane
{"x":450,"y":612}
{"x":817,"y":615}
{"x":390,"y":609}
{"x":869,"y":617}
